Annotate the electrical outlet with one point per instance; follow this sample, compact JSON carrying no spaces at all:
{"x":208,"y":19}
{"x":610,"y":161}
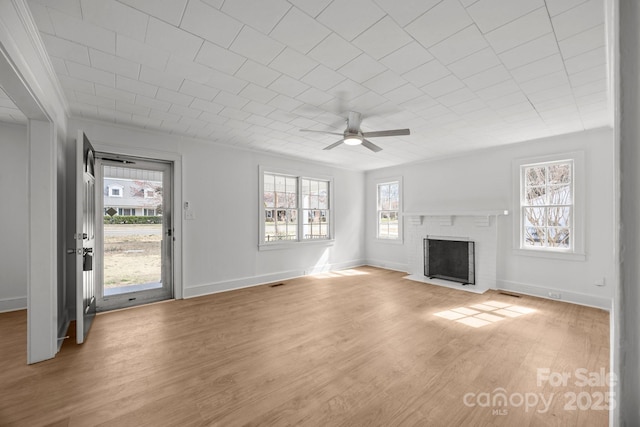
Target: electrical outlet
{"x":555,"y":295}
{"x":601,"y":282}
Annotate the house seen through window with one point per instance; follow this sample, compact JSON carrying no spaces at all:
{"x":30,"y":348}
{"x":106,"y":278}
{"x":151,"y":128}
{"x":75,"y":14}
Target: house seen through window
{"x":388,"y":199}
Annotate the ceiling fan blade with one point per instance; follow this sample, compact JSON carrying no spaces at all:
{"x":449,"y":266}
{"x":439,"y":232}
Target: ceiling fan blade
{"x":334,"y":145}
{"x":371,"y":146}
{"x":320,"y":131}
{"x":392,"y":132}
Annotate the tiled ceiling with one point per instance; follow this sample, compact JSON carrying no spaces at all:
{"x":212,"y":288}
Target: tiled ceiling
{"x":9,"y":113}
{"x":461,"y":74}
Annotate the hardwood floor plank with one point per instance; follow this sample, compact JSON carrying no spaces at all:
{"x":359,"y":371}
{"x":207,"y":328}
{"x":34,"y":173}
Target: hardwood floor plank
{"x":359,"y":347}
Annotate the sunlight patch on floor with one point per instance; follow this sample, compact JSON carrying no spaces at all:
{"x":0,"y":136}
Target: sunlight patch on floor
{"x":339,"y":273}
{"x":486,"y":313}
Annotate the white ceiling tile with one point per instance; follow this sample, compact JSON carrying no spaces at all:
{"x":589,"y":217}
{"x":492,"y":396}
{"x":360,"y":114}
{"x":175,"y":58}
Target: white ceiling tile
{"x":284,"y":103}
{"x":209,"y":23}
{"x":106,"y":62}
{"x":91,"y":74}
{"x":581,"y":18}
{"x":507,"y":100}
{"x":586,"y":60}
{"x":154,"y":104}
{"x":136,"y":86}
{"x":405,"y":11}
{"x":223,"y":81}
{"x":219,"y":58}
{"x":384,"y":82}
{"x":41,"y":17}
{"x":407,"y":58}
{"x":383,"y":38}
{"x":440,"y":22}
{"x":539,"y":68}
{"x":474,"y":63}
{"x":459,"y":45}
{"x":160,"y":78}
{"x":468,"y":106}
{"x":288,"y":86}
{"x":230,"y":100}
{"x":582,"y":42}
{"x":322,"y":78}
{"x":349,"y":18}
{"x":456,"y":97}
{"x":198,"y":90}
{"x":311,"y":7}
{"x":362,"y":68}
{"x":258,"y":108}
{"x":549,"y":81}
{"x":69,"y":7}
{"x":207,"y":107}
{"x":344,"y":92}
{"x":558,"y":6}
{"x":522,"y":30}
{"x":116,"y":17}
{"x":498,"y":90}
{"x":171,"y":39}
{"x":169,"y":11}
{"x":184,"y":111}
{"x":165,"y":116}
{"x":491,"y":14}
{"x":403,"y":93}
{"x":261,"y":15}
{"x":334,"y":51}
{"x":529,"y":52}
{"x":550,"y":94}
{"x":314,"y":96}
{"x":443,"y":86}
{"x":258,"y":93}
{"x":98,"y":101}
{"x":427,"y":73}
{"x":59,"y":66}
{"x":257,"y":73}
{"x":144,"y":54}
{"x":66,"y":49}
{"x":82,"y":32}
{"x":113,"y":93}
{"x":590,"y":88}
{"x":71,"y":83}
{"x":128,"y":107}
{"x":596,"y":73}
{"x":293,"y":64}
{"x":256,"y":46}
{"x":189,"y":70}
{"x":299,"y":31}
{"x":232,"y":113}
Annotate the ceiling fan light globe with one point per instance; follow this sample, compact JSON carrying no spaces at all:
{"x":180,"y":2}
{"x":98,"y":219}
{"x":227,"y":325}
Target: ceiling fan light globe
{"x":352,"y":140}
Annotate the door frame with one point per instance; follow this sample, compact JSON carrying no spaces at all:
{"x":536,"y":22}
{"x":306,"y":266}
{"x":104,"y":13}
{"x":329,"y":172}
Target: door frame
{"x":175,"y":159}
{"x":167,"y":291}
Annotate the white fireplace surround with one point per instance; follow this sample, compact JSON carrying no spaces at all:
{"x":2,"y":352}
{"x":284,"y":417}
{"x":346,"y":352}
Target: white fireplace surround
{"x":479,"y":226}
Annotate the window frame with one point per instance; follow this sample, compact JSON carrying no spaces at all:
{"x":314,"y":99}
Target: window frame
{"x":120,"y":189}
{"x":578,"y":185}
{"x":299,"y":175}
{"x":383,"y":181}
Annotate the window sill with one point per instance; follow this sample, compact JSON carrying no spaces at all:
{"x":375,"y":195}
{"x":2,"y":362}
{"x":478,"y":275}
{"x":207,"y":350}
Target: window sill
{"x":558,"y":255}
{"x":294,"y":245}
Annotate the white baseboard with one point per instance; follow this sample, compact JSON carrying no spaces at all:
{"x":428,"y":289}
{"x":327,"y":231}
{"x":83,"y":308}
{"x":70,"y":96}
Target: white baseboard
{"x":566,"y":296}
{"x":247,"y":282}
{"x":13,"y":304}
{"x":396,"y":266}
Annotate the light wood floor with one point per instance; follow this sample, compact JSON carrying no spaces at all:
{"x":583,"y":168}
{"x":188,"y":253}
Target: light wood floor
{"x":360,"y":347}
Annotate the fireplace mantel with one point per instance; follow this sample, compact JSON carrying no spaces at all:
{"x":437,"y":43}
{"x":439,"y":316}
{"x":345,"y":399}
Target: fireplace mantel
{"x":445,"y":216}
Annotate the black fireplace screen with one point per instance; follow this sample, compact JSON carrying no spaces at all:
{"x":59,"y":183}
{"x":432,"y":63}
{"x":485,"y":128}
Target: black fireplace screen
{"x":450,"y":260}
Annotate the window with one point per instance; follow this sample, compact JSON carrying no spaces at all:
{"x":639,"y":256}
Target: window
{"x":388,"y":210}
{"x":149,"y":212}
{"x":126,"y":211}
{"x":547,"y":205}
{"x":115,"y":191}
{"x":149,"y":193}
{"x":295,"y":208}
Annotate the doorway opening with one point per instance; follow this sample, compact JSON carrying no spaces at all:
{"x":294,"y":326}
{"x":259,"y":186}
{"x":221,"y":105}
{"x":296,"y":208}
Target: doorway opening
{"x":136,"y":239}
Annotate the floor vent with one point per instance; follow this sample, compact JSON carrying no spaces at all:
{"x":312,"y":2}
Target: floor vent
{"x":276,"y":285}
{"x":509,"y":295}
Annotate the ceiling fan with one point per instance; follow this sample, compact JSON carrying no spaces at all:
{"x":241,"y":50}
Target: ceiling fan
{"x":354,"y":136}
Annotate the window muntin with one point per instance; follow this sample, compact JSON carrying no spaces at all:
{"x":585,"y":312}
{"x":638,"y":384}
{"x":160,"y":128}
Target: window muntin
{"x":388,"y":210}
{"x":547,"y":205}
{"x":295,"y":208}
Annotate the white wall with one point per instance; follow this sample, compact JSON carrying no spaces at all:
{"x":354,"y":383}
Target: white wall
{"x":220,"y":247}
{"x":483,"y":180}
{"x":14,"y":160}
